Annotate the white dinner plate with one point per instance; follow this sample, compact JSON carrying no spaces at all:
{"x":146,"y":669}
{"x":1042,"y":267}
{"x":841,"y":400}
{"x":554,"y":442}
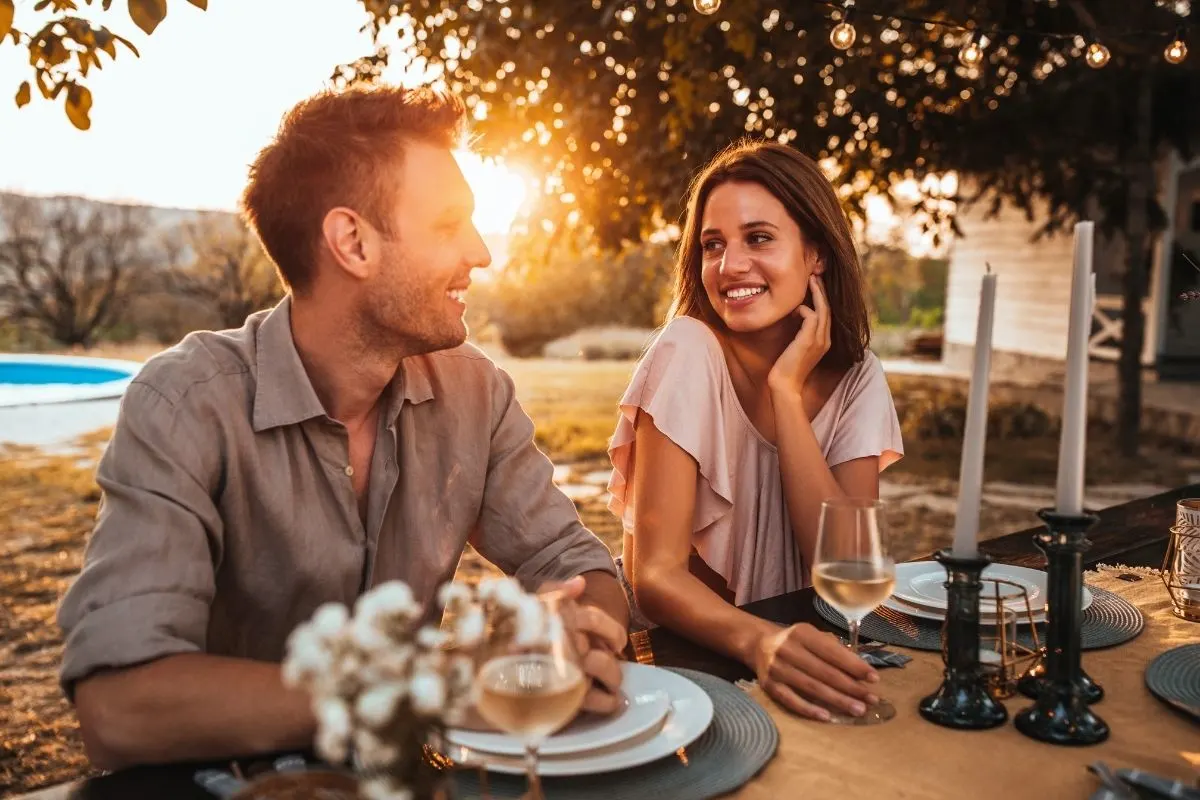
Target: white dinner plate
{"x":689,"y":715}
{"x":920,"y":583}
{"x":896,"y":604}
{"x":645,"y":705}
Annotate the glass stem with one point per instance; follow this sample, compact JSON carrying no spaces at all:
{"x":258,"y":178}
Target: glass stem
{"x":531,"y":770}
{"x":854,"y":636}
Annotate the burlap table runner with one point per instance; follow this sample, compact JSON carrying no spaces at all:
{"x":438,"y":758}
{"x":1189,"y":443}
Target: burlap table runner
{"x":911,"y":758}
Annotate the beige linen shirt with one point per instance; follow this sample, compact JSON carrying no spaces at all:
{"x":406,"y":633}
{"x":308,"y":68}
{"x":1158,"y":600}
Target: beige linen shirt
{"x":228,"y":513}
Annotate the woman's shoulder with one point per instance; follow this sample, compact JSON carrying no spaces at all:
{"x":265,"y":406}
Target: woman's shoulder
{"x":866,"y":377}
{"x":686,"y":339}
{"x":684,"y":356}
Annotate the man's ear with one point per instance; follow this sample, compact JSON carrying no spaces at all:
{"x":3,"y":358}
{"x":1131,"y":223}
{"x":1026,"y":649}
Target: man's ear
{"x":352,"y":243}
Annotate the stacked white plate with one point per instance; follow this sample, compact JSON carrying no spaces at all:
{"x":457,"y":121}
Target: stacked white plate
{"x":920,"y":592}
{"x":661,"y":712}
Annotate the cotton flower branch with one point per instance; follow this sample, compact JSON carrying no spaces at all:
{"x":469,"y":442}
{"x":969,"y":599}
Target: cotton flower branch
{"x":383,"y":686}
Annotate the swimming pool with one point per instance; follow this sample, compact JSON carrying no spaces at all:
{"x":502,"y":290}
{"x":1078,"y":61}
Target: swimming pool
{"x":41,"y":379}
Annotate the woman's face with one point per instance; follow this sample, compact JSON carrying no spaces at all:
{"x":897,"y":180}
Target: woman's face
{"x":755,"y":263}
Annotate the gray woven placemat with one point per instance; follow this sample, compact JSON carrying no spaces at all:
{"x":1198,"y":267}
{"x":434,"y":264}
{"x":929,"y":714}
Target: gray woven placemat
{"x":1110,"y":620}
{"x":1174,"y":677}
{"x":737,"y":744}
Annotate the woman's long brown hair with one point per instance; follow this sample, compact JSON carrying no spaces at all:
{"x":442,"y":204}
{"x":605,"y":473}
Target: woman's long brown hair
{"x":797,"y":182}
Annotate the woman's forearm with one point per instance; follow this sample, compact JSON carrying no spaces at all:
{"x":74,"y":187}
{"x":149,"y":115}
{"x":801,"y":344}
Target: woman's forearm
{"x":677,"y":599}
{"x":807,"y":479}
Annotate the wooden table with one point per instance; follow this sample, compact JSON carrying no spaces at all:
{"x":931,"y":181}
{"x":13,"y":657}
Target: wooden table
{"x":1133,"y":533}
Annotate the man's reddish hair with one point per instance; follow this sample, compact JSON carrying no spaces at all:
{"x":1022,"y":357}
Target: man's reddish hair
{"x":330,"y":151}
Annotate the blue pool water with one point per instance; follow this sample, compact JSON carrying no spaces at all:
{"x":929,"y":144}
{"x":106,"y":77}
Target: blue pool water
{"x":40,"y":373}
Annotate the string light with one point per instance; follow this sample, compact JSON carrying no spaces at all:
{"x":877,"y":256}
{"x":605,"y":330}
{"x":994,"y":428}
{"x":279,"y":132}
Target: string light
{"x":1176,"y":51}
{"x":1097,"y":55}
{"x":843,"y":34}
{"x":972,"y":53}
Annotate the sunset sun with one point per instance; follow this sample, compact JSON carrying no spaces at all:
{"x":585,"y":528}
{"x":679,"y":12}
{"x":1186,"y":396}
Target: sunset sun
{"x":500,"y":191}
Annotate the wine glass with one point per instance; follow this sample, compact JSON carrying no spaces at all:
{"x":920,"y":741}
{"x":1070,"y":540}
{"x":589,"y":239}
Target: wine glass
{"x":531,"y":688}
{"x":854,"y":573}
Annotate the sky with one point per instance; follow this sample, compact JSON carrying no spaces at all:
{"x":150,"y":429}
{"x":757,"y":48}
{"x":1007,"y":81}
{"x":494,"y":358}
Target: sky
{"x":178,"y":126}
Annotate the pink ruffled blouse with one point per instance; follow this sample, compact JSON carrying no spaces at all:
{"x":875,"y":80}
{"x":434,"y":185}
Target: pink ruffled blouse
{"x":740,"y":526}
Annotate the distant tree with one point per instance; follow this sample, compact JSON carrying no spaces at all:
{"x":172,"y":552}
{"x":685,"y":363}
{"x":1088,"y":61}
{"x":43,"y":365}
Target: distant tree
{"x":67,"y":266}
{"x":63,"y":47}
{"x":556,"y":284}
{"x":217,"y":261}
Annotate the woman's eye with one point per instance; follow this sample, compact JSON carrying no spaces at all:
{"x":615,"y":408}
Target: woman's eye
{"x":712,"y":245}
{"x":759,"y":238}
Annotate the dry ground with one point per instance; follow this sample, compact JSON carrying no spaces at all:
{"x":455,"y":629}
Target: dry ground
{"x":47,"y":505}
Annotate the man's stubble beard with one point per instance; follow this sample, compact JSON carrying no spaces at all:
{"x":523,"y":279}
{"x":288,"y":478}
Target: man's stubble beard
{"x":404,"y":316}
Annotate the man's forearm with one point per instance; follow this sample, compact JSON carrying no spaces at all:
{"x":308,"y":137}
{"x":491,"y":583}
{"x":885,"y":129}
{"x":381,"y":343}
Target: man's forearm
{"x":605,"y":593}
{"x":190,"y":706}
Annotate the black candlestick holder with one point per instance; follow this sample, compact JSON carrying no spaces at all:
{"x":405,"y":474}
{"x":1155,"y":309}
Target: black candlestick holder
{"x":1063,"y":691}
{"x":963,"y":700}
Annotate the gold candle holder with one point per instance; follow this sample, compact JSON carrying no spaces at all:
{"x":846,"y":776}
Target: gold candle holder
{"x":1012,"y":660}
{"x":1181,"y":571}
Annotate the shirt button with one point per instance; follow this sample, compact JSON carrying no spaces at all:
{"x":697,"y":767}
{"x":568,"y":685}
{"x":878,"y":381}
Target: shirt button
{"x":349,"y":471}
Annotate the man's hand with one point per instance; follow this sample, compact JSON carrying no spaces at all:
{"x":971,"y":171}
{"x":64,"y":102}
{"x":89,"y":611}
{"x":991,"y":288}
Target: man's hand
{"x":599,"y":640}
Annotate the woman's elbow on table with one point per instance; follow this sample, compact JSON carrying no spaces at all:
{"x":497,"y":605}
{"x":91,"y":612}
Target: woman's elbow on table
{"x":653,"y":590}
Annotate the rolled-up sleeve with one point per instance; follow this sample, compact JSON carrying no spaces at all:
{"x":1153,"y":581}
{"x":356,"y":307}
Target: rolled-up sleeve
{"x":527,"y":526}
{"x":147,"y":579}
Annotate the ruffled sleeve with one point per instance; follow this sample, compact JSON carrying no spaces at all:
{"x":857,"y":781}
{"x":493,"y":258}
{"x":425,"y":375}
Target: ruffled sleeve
{"x":868,"y":425}
{"x":680,"y":384}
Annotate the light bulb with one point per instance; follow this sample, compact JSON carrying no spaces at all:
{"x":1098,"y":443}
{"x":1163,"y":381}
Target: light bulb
{"x":1097,"y":55}
{"x":1176,"y":51}
{"x":707,"y":7}
{"x":972,"y":54}
{"x":843,"y":35}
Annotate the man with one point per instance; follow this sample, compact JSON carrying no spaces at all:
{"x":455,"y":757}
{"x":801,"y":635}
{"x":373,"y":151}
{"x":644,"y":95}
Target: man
{"x":345,"y":438}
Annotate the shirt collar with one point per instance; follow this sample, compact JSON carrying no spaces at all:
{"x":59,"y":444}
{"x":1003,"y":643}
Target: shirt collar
{"x":285,"y":395}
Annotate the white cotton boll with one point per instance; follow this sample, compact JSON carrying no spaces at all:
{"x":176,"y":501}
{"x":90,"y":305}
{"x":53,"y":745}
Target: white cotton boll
{"x":470,"y":627}
{"x":376,"y":706}
{"x":391,"y":598}
{"x":367,"y":635}
{"x":428,"y":692}
{"x":307,"y":657}
{"x":329,"y":619}
{"x":505,"y":591}
{"x":333,"y":715}
{"x":331,"y":747}
{"x":383,"y":789}
{"x":530,"y":622}
{"x":431,"y":638}
{"x":395,"y":660}
{"x":333,"y":729}
{"x":373,"y":752}
{"x":452,"y":593}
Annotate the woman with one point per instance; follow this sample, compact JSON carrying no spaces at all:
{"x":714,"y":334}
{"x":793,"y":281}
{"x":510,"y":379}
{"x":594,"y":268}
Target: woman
{"x":758,"y":400}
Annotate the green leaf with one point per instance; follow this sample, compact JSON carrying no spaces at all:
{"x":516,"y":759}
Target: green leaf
{"x":147,"y":14}
{"x":7,"y":11}
{"x":200,"y":4}
{"x":79,"y":104}
{"x":23,"y":94}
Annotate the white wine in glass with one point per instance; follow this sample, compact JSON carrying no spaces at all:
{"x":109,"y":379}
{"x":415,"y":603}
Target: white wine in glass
{"x":853,"y":572}
{"x":528,"y":695}
{"x":531,"y":691}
